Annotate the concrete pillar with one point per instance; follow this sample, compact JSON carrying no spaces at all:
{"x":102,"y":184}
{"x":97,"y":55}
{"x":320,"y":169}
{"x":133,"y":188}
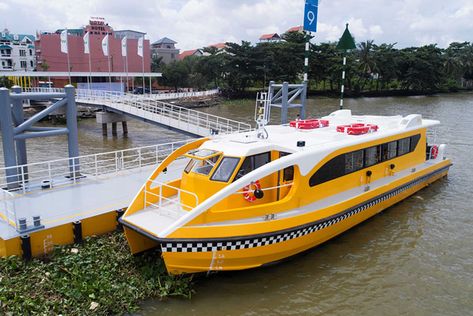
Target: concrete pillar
{"x":6,"y":125}
{"x":114,"y":128}
{"x":125,"y":128}
{"x":104,"y":129}
{"x":72,"y":137}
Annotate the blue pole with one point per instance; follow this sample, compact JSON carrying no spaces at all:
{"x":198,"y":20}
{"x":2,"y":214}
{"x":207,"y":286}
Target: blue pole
{"x":6,"y":125}
{"x":72,"y":138}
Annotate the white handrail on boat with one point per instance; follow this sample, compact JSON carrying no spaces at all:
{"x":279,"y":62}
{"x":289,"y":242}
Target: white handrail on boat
{"x":161,"y":197}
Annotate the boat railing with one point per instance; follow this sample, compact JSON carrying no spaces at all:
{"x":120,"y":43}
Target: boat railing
{"x":69,"y":171}
{"x":155,"y":196}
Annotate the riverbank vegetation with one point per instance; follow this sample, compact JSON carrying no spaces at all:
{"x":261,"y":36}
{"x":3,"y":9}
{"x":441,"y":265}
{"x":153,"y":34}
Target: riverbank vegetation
{"x":372,"y":69}
{"x":99,"y":277}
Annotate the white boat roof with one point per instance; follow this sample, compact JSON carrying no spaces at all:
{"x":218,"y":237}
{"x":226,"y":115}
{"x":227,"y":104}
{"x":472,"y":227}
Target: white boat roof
{"x":325,"y":139}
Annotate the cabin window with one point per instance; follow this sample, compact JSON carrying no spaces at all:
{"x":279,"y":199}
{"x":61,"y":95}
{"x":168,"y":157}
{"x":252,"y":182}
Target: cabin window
{"x":353,"y":161}
{"x":253,"y":162}
{"x":202,"y":167}
{"x":372,"y":156}
{"x":288,"y":173}
{"x":225,"y":169}
{"x":389,"y":150}
{"x":202,"y":161}
{"x":350,"y":162}
{"x":404,"y":146}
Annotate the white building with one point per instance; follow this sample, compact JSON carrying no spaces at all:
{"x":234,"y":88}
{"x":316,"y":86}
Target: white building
{"x":17,"y":52}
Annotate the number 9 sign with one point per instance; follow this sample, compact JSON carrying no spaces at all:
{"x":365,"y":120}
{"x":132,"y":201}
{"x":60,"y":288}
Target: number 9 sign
{"x":310,"y":15}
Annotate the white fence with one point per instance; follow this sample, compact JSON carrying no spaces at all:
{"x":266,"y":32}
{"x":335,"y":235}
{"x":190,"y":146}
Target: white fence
{"x":69,"y":171}
{"x":178,"y":117}
{"x":153,"y":96}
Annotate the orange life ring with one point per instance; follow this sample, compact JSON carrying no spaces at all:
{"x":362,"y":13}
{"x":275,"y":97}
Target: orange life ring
{"x":309,"y":123}
{"x":434,"y":151}
{"x":248,"y":193}
{"x":357,"y":128}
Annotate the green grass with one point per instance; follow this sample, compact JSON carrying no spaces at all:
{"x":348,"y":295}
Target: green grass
{"x":99,"y":277}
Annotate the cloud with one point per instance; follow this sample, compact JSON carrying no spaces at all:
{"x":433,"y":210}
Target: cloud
{"x":197,"y":23}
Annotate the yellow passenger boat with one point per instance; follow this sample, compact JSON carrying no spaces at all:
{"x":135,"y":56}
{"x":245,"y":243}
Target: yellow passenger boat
{"x":249,"y":199}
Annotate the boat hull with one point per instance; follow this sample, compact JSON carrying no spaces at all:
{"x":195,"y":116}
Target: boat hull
{"x":201,"y":254}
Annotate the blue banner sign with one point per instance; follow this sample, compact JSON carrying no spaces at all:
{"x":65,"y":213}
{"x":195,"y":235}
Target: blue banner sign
{"x":310,"y":15}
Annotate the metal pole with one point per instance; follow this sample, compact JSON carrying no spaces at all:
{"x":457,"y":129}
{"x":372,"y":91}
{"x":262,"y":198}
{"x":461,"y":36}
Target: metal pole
{"x":6,"y":125}
{"x":284,"y":103}
{"x":68,"y":64}
{"x":342,"y":88}
{"x":72,"y":136}
{"x":306,"y":55}
{"x":109,"y":74}
{"x":90,"y":67}
{"x":126,"y":64}
{"x":17,"y":108}
{"x":143,"y":67}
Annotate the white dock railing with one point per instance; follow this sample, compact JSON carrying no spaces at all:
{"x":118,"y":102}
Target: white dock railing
{"x":7,"y":207}
{"x":149,"y":106}
{"x":153,"y":96}
{"x":178,"y":117}
{"x":69,"y":171}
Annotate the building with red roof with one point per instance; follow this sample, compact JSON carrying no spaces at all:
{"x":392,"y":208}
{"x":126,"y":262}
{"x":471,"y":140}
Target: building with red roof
{"x":272,"y":37}
{"x":295,"y":29}
{"x":191,"y":52}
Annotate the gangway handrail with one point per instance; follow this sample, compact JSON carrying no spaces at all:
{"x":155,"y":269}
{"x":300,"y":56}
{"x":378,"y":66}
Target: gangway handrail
{"x":164,"y":110}
{"x":58,"y":172}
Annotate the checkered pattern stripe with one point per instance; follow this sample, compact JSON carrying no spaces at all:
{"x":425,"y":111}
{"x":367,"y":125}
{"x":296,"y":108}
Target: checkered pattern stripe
{"x":278,"y":237}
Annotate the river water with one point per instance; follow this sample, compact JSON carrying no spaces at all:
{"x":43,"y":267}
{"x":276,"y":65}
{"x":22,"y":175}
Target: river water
{"x":415,"y":258}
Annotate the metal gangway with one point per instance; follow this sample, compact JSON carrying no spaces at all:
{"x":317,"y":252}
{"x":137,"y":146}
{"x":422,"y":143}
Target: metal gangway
{"x":151,"y":108}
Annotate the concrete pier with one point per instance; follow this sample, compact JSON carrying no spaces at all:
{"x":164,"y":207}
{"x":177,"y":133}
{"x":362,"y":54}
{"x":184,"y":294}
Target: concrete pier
{"x":105,"y":118}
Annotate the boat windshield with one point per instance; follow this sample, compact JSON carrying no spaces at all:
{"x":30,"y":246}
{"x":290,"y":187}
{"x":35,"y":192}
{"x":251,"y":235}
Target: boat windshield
{"x":202,"y":161}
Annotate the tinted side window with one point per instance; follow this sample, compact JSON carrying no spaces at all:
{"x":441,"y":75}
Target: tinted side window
{"x":253,"y":162}
{"x":353,"y":161}
{"x":225,"y":169}
{"x":404,"y":146}
{"x":372,"y":156}
{"x":334,"y":168}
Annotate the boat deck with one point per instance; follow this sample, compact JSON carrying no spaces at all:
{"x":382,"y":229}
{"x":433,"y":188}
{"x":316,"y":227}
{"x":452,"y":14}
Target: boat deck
{"x":156,"y":219}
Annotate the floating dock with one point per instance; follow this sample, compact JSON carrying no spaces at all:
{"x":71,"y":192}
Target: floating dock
{"x":68,"y":212}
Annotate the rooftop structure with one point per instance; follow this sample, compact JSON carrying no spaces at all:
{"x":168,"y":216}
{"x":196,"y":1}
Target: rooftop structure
{"x":130,"y":34}
{"x":165,"y":48}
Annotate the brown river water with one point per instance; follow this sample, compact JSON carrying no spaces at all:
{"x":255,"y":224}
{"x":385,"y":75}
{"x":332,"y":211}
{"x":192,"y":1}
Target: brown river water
{"x":415,"y":258}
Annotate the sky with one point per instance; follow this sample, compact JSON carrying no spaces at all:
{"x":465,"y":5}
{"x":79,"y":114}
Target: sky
{"x":199,"y":23}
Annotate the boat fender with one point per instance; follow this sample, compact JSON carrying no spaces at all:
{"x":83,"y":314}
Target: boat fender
{"x":434,"y":151}
{"x":249,"y":194}
{"x":258,"y":193}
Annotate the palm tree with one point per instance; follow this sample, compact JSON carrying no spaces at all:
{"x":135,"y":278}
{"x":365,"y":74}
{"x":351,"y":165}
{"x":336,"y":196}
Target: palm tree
{"x":367,"y":64}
